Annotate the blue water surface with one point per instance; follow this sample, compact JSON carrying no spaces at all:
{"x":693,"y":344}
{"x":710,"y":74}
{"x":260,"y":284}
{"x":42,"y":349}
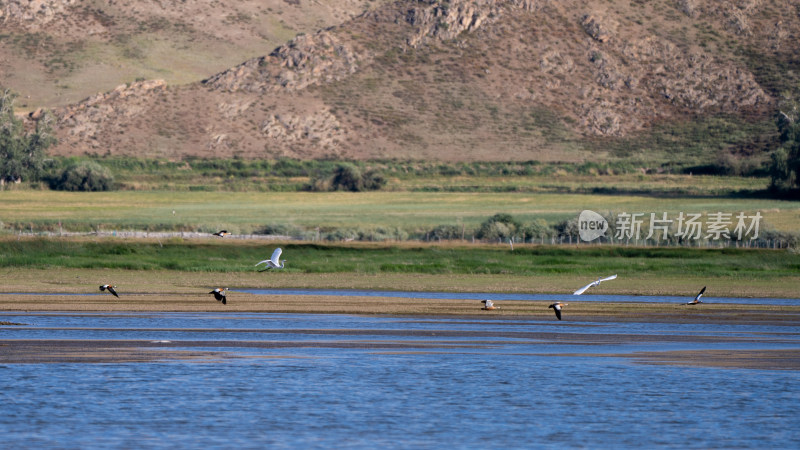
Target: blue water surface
{"x":522,"y":296}
{"x":473,"y":384}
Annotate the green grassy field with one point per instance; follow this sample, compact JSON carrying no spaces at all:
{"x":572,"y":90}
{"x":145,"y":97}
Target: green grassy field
{"x":220,"y":255}
{"x":31,"y":262}
{"x":659,"y":185}
{"x":247,"y":212}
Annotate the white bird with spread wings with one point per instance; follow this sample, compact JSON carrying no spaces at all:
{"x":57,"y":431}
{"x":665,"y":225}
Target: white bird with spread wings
{"x":593,"y":283}
{"x":273,"y":262}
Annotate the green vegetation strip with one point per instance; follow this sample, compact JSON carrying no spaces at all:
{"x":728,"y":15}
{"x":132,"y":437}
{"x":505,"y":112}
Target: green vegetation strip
{"x":629,"y":176}
{"x":465,"y":267}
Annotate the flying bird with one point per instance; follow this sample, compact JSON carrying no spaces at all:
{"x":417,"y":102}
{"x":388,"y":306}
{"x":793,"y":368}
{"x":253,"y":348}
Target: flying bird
{"x":109,"y":288}
{"x":557,"y":308}
{"x":219,"y":294}
{"x":221,"y":233}
{"x":697,"y":298}
{"x":593,"y":283}
{"x":273,"y":262}
{"x":488,"y":305}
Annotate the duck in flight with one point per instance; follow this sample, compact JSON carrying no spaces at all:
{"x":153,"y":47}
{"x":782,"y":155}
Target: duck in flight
{"x":221,"y":233}
{"x":109,"y":288}
{"x":557,"y":308}
{"x":488,"y":305}
{"x":697,"y":298}
{"x":219,"y":294}
{"x":593,"y":283}
{"x":273,"y":262}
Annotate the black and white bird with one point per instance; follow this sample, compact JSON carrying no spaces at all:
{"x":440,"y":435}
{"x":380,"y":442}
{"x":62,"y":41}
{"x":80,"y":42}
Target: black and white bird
{"x":593,"y":283}
{"x":273,"y":262}
{"x":557,"y":308}
{"x":109,"y":288}
{"x":488,"y":305}
{"x":697,"y":297}
{"x":221,"y":233}
{"x":219,"y":294}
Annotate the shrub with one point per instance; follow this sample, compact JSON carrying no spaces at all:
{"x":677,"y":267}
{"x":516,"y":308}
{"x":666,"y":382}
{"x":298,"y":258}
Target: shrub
{"x":347,"y":177}
{"x":538,"y":229}
{"x":445,"y":232}
{"x":499,"y":226}
{"x":568,"y":228}
{"x":85,"y":176}
{"x":373,"y":180}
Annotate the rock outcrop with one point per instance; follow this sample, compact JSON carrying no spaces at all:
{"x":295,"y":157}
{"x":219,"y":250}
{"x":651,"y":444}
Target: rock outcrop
{"x":32,"y":13}
{"x":599,"y":29}
{"x":304,"y":61}
{"x":446,"y":20}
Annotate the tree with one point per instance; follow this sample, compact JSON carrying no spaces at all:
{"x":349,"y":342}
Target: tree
{"x":22,"y":155}
{"x":779,"y":173}
{"x":784,"y":167}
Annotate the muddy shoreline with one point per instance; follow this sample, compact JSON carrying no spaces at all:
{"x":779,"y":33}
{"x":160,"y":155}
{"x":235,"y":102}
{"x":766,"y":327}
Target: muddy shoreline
{"x":575,"y":312}
{"x":510,"y":313}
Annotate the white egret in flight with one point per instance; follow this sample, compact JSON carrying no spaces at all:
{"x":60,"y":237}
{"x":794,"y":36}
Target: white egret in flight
{"x":593,"y":283}
{"x":273,"y":262}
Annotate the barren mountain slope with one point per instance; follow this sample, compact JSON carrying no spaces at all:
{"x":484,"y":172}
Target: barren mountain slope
{"x":460,"y":80}
{"x":57,"y":52}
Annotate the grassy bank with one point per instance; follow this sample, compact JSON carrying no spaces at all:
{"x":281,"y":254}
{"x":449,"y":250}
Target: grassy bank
{"x":67,"y":265}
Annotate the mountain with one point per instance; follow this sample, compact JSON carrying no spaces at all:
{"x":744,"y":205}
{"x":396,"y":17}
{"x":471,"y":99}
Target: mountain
{"x":58,"y":52}
{"x":464,"y":80}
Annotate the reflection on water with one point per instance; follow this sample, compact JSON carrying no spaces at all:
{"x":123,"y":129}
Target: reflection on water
{"x":323,"y":381}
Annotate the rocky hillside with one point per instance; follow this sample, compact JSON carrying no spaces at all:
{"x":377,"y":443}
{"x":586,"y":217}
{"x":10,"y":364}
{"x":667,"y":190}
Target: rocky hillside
{"x":58,"y":52}
{"x":463,"y":80}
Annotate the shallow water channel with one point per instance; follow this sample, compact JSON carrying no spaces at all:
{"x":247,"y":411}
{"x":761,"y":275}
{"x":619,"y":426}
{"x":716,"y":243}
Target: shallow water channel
{"x":319,"y":381}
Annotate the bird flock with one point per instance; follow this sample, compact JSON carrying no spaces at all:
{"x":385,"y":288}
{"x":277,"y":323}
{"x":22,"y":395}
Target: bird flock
{"x":274,"y":262}
{"x":220,"y":293}
{"x":557,"y":307}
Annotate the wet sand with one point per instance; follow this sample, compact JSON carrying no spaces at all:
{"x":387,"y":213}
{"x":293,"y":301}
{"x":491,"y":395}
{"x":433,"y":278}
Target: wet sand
{"x":733,"y":359}
{"x":512,"y":312}
{"x":38,"y":351}
{"x":575,"y":312}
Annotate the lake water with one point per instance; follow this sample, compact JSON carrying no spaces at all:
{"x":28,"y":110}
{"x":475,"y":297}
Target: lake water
{"x":523,"y":296}
{"x":321,"y":381}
